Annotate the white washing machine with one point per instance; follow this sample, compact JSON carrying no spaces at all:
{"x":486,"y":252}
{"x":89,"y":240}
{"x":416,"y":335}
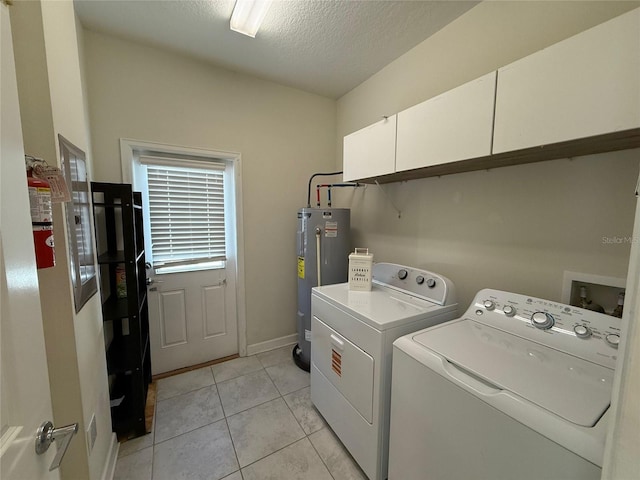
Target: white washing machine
{"x":352,"y":336}
{"x":519,"y":387}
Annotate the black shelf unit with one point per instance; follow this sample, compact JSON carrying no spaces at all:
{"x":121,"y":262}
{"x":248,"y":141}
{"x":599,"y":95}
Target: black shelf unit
{"x":117,"y":211}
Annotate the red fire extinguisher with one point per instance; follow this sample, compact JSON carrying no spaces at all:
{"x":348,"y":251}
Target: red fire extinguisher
{"x":41,"y":220}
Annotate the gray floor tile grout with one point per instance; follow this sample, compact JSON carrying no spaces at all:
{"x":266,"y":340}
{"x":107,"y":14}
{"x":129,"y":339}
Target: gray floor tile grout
{"x":190,"y":431}
{"x":294,"y":415}
{"x":308,"y":435}
{"x":258,"y":405}
{"x":186,"y":393}
{"x":321,"y":459}
{"x":244,"y":375}
{"x":274,"y":452}
{"x":226,"y":418}
{"x":235,"y":452}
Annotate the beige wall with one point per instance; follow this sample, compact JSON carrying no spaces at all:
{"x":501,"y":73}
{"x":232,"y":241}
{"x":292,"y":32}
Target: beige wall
{"x":51,"y":102}
{"x":515,"y":228}
{"x":283,"y":134}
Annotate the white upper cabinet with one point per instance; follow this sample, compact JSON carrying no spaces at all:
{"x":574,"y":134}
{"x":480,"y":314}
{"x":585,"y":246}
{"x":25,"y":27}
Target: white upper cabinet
{"x":456,"y":125}
{"x":586,"y":85}
{"x":370,"y":152}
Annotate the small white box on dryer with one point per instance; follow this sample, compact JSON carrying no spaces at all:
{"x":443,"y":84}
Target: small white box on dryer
{"x":360,"y":270}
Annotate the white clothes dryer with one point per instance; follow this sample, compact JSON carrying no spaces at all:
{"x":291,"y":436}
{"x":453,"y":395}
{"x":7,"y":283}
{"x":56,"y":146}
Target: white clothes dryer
{"x":352,"y":334}
{"x":518,"y":387}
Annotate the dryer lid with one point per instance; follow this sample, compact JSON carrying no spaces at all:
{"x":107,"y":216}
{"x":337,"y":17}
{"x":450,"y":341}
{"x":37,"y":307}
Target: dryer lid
{"x":574,"y":389}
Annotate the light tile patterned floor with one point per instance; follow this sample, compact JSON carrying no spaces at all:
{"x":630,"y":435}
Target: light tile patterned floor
{"x":246,"y":419}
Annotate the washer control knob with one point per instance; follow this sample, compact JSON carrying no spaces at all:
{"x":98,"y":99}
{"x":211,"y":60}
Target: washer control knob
{"x":509,"y":311}
{"x":613,"y":339}
{"x":489,"y":305}
{"x":542,"y":320}
{"x":402,"y":274}
{"x":582,"y":331}
{"x":419,"y":279}
{"x":431,"y":283}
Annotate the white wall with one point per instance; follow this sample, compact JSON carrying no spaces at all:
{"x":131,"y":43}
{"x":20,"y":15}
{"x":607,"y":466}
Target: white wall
{"x":515,"y":228}
{"x":283,"y":134}
{"x":52,"y":103}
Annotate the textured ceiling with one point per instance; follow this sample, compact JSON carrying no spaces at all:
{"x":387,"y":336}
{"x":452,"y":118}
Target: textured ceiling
{"x":322,"y":46}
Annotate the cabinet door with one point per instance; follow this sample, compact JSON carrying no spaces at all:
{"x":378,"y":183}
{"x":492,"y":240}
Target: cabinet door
{"x":456,"y":125}
{"x":583,"y":86}
{"x":370,"y":152}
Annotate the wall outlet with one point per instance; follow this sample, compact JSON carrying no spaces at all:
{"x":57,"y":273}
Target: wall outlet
{"x":92,"y":433}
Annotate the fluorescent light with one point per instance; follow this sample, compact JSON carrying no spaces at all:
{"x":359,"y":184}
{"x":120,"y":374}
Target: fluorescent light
{"x":248,"y":15}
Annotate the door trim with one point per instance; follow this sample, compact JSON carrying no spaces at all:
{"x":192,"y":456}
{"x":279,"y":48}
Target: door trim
{"x":128,"y":147}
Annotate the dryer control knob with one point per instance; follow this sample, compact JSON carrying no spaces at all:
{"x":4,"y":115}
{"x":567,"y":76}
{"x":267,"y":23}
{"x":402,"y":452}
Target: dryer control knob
{"x":542,"y":320}
{"x":419,"y":279}
{"x":489,"y":304}
{"x":612,"y":340}
{"x":509,"y":311}
{"x":582,"y":331}
{"x":431,"y":283}
{"x":402,"y":274}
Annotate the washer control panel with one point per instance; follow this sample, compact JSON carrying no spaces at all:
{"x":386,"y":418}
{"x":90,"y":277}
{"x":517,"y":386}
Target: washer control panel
{"x":420,"y":283}
{"x":586,"y":334}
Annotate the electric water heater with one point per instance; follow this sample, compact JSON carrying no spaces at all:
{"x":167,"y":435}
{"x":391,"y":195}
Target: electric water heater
{"x":323,"y":247}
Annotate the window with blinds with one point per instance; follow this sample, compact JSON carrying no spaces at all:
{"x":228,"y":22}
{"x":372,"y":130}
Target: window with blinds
{"x":186,"y":213}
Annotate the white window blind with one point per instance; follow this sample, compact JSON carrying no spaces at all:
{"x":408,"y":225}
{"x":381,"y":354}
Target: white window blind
{"x":186,"y":209}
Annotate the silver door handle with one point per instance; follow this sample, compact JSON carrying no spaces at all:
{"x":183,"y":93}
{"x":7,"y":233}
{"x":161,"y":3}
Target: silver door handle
{"x":47,"y":434}
{"x":151,"y":281}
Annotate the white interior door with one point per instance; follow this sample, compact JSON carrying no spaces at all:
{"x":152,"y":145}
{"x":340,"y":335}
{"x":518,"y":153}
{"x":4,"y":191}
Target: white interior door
{"x":193,"y":311}
{"x":24,"y":378}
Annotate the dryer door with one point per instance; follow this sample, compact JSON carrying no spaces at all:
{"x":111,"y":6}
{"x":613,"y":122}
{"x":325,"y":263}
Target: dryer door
{"x":347,"y":367}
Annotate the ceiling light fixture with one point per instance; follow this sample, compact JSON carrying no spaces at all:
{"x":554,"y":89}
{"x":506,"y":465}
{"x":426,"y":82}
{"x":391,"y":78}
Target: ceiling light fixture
{"x":248,"y":15}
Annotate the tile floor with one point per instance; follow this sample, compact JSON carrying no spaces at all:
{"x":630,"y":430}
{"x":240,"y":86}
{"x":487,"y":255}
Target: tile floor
{"x":246,"y":419}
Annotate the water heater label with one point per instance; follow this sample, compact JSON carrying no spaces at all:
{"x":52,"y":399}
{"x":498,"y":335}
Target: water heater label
{"x":301,"y":267}
{"x":331,"y":229}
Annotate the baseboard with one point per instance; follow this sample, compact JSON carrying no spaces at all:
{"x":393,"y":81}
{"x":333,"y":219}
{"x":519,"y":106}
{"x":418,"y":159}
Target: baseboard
{"x":271,"y":344}
{"x":112,"y":458}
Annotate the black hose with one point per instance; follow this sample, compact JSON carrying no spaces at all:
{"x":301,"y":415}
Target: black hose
{"x":311,"y":180}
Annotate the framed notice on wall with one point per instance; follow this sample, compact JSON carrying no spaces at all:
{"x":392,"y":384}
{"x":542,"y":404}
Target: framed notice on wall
{"x":78,"y":214}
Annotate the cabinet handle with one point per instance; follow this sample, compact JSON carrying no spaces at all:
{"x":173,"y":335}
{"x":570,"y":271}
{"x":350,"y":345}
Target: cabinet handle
{"x":337,"y":342}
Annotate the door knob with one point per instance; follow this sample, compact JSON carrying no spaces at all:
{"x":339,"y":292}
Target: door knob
{"x":47,"y":434}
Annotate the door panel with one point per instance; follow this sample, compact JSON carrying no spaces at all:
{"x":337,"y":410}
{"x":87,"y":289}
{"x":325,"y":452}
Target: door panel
{"x":456,"y":125}
{"x":173,"y":318}
{"x":349,"y":368}
{"x":583,"y":86}
{"x":214,"y":311}
{"x":24,"y":378}
{"x":371,"y":151}
{"x":192,"y":319}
